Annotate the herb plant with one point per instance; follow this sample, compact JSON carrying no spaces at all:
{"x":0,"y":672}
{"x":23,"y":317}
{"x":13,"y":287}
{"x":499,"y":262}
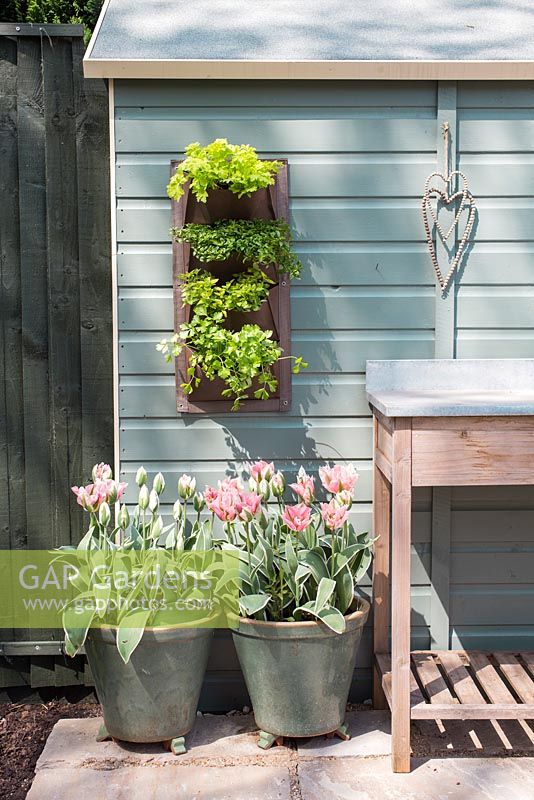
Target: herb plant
{"x":221,"y":165}
{"x":239,"y":358}
{"x":258,"y":242}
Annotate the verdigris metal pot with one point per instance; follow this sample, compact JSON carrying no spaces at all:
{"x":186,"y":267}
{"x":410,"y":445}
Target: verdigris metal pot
{"x":154,"y":697}
{"x":298,"y":674}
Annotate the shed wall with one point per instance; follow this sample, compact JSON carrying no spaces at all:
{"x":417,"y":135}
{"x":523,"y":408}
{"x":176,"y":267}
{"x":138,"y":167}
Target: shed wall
{"x":358,"y":157}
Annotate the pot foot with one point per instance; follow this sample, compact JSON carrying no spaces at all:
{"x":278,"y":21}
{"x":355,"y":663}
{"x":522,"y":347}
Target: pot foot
{"x":103,"y":735}
{"x":176,"y":745}
{"x":266,"y":740}
{"x":342,"y":732}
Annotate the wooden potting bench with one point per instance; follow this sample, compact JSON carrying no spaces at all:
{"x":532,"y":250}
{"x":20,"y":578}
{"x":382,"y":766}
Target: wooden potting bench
{"x":442,"y":423}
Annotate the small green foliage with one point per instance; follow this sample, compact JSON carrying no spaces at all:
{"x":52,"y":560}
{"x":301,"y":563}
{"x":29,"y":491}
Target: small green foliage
{"x":258,"y":242}
{"x":244,"y":292}
{"x":239,"y":358}
{"x":73,"y":12}
{"x":222,"y":165}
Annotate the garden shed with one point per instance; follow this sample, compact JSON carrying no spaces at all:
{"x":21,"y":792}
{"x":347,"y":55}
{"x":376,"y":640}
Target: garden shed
{"x":356,"y":97}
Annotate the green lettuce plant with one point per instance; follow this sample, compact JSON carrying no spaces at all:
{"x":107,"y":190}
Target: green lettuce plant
{"x":220,"y":165}
{"x":258,"y":242}
{"x":242,"y":359}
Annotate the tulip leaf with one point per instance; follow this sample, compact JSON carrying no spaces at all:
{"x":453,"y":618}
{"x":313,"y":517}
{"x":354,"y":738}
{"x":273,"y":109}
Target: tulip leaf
{"x":333,"y":618}
{"x":250,"y":604}
{"x":315,"y":562}
{"x":291,"y":557}
{"x":77,"y":619}
{"x":345,"y":588}
{"x":324,"y":593}
{"x":130,"y":631}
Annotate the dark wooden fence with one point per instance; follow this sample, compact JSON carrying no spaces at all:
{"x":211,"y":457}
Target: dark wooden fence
{"x":56,"y":414}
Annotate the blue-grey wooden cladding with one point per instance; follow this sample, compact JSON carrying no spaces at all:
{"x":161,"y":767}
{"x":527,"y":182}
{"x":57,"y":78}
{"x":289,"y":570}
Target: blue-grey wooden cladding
{"x":358,"y":157}
{"x":56,"y":413}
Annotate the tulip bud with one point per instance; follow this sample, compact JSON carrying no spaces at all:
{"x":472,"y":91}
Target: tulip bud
{"x":246,"y":515}
{"x":177,"y":511}
{"x":104,"y":515}
{"x":113,"y":494}
{"x":159,"y":483}
{"x":253,"y":485}
{"x":153,"y":501}
{"x":186,"y":487}
{"x":278,"y":484}
{"x":263,"y":489}
{"x":143,"y":497}
{"x":123,"y":518}
{"x":344,"y":498}
{"x":198,"y":502}
{"x":157,"y":528}
{"x":140,"y":477}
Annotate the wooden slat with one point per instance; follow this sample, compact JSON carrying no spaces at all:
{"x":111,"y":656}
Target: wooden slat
{"x":279,"y":135}
{"x":325,"y":264}
{"x":432,"y":680}
{"x":528,"y":659}
{"x":12,"y":459}
{"x":94,"y":235}
{"x":184,"y":95}
{"x":63,"y":299}
{"x":33,"y":260}
{"x":401,"y":514}
{"x":489,"y":679}
{"x":313,"y":309}
{"x":466,"y":451}
{"x":519,"y":679}
{"x":381,"y":562}
{"x":461,"y":711}
{"x":463,"y":684}
{"x":383,"y":674}
{"x":329,"y":351}
{"x":384,"y":669}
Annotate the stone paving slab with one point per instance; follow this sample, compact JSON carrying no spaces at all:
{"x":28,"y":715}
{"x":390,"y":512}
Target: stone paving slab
{"x":72,"y":742}
{"x":223,"y":761}
{"x":436,"y":779}
{"x":370,"y":732}
{"x":187,"y":782}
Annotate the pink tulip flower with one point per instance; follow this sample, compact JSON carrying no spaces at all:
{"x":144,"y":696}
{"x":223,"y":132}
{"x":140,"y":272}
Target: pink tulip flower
{"x":304,"y":487}
{"x":262,"y":471}
{"x":248,"y":506}
{"x":297,"y":518}
{"x":101,"y":472}
{"x":92,"y":496}
{"x":339,"y":478}
{"x":224,"y":506}
{"x":334,"y":516}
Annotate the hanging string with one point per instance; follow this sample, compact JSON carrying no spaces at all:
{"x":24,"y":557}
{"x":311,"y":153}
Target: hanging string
{"x":447,"y":198}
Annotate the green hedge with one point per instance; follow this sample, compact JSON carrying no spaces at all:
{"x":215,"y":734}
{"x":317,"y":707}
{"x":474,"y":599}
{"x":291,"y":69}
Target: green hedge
{"x":78,"y":12}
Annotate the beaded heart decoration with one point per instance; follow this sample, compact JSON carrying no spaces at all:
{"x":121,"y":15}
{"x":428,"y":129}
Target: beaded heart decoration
{"x":430,"y":215}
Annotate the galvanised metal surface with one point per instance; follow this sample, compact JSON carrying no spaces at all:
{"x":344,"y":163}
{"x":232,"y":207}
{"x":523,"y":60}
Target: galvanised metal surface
{"x":452,"y":387}
{"x":298,"y":674}
{"x":154,"y":697}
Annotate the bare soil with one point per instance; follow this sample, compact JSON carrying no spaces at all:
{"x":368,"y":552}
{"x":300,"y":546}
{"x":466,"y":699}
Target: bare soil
{"x":24,"y":729}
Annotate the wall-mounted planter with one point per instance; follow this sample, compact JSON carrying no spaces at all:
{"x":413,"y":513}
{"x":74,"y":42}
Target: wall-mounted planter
{"x":269,"y":204}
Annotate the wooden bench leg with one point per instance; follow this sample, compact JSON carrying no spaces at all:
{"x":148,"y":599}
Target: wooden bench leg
{"x":381,"y":601}
{"x":400,"y":591}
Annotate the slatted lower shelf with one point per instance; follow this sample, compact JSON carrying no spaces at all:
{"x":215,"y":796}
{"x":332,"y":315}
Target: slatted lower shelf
{"x":463,"y":684}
